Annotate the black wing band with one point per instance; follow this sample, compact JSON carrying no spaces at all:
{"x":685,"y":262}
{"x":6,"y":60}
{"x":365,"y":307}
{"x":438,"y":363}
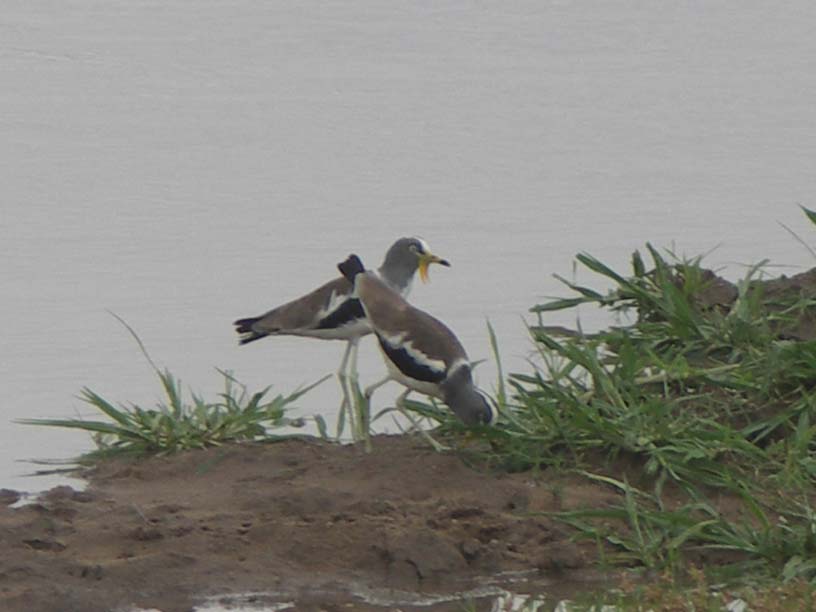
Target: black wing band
{"x":347,"y":312}
{"x":409,"y":366}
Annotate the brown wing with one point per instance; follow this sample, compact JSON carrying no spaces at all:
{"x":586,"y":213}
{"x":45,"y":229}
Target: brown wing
{"x":303,"y":313}
{"x":391,"y":315}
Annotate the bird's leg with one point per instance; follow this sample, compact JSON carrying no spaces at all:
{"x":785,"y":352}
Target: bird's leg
{"x":344,"y":362}
{"x":369,"y":391}
{"x":359,"y":406}
{"x":400,"y":401}
{"x":345,"y":405}
{"x":400,"y":404}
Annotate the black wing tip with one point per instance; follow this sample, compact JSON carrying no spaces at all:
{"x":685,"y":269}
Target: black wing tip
{"x":251,"y":337}
{"x":351,"y":267}
{"x":244,"y":326}
{"x":244,"y":329}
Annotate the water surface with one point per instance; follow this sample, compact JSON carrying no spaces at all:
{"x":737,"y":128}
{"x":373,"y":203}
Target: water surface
{"x":184,"y":167}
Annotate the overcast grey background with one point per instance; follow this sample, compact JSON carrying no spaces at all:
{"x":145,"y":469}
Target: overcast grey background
{"x":183,"y":164}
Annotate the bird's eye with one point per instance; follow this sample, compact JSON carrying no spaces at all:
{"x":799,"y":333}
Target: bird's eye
{"x":413,"y":248}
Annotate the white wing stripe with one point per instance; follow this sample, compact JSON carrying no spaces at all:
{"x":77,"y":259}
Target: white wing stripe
{"x":397,"y":342}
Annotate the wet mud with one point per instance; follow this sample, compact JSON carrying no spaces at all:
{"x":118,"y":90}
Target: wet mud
{"x":297,"y":518}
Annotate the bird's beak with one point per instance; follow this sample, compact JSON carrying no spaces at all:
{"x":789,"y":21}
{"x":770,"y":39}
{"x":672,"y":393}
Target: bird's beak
{"x":425,"y":260}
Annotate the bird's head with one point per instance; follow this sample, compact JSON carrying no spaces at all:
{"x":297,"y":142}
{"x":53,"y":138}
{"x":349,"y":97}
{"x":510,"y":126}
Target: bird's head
{"x":466,"y":401}
{"x":412,"y":254}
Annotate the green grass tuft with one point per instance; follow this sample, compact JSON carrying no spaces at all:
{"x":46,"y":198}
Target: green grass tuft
{"x":179,"y":424}
{"x":697,"y":408}
{"x":176,"y":423}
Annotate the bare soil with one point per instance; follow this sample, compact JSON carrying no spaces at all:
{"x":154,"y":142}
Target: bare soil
{"x":163,"y":532}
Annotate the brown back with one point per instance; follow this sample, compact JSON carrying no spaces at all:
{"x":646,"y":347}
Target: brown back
{"x":390,"y":314}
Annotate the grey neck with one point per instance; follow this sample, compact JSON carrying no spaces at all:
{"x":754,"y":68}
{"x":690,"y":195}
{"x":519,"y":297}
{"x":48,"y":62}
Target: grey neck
{"x":398,"y":274}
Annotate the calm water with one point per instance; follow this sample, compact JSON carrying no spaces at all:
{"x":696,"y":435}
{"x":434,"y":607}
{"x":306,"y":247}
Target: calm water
{"x":184,"y":167}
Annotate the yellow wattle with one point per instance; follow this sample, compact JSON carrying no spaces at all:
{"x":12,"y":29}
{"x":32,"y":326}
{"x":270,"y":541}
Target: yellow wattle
{"x":423,"y":270}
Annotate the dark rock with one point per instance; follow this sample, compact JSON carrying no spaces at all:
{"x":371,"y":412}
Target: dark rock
{"x":470,"y":548}
{"x":93,"y":572}
{"x":8,"y":497}
{"x":564,"y":556}
{"x":59,"y":493}
{"x":48,"y":544}
{"x":466,"y":512}
{"x":83,"y":497}
{"x":429,"y":553}
{"x":145,"y":534}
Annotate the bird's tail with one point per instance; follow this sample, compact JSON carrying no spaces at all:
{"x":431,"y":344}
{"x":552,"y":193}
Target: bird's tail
{"x":351,"y":267}
{"x":244,"y":328}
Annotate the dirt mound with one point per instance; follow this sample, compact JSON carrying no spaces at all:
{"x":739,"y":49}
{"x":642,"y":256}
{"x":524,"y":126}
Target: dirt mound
{"x":162,"y":532}
{"x":307,"y":518}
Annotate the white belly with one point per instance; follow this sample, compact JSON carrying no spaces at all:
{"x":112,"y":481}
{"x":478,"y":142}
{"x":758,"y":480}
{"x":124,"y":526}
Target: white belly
{"x":356,"y":329}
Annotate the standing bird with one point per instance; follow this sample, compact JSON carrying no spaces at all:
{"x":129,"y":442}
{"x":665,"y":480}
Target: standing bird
{"x":331,"y":312}
{"x":420,"y":351}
